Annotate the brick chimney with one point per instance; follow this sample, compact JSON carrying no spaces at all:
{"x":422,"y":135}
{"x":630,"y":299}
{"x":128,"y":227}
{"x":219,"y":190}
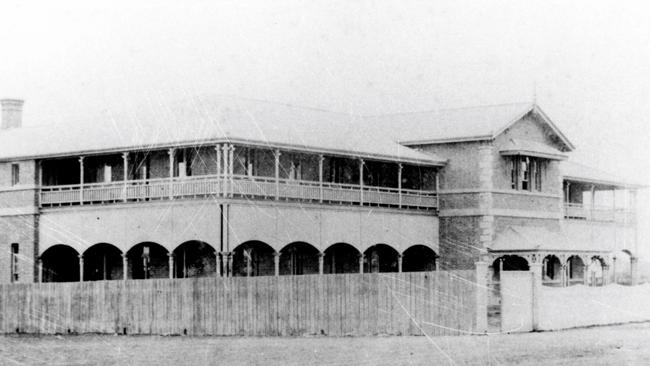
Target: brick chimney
{"x":12,"y":113}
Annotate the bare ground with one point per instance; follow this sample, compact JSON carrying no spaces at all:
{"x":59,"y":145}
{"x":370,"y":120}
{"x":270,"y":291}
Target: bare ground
{"x":624,"y":345}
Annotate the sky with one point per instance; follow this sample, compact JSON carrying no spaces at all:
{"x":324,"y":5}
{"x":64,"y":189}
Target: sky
{"x":586,"y":63}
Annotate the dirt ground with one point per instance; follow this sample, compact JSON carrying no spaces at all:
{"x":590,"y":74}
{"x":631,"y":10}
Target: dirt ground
{"x":622,"y":345}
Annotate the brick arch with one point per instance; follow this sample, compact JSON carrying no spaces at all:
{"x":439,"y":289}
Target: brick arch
{"x":194,"y":258}
{"x":253,"y":258}
{"x":60,"y":263}
{"x":341,"y":257}
{"x":155,"y":266}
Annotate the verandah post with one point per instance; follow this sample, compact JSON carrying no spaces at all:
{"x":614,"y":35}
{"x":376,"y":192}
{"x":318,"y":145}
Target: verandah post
{"x":276,"y":263}
{"x":171,"y":264}
{"x":361,"y":163}
{"x":125,"y":266}
{"x":321,"y":159}
{"x":171,"y":152}
{"x":218,"y":262}
{"x":277,"y":173}
{"x":219,"y":174}
{"x":81,"y":180}
{"x":125,"y":172}
{"x":81,"y":268}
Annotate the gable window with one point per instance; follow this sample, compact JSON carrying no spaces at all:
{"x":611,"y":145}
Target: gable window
{"x":15,"y":174}
{"x":526,"y":173}
{"x":14,"y":262}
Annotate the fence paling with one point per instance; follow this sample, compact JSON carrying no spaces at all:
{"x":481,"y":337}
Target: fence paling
{"x":359,"y":304}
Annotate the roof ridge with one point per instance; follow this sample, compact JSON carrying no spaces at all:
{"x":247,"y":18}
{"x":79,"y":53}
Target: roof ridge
{"x":530,"y":104}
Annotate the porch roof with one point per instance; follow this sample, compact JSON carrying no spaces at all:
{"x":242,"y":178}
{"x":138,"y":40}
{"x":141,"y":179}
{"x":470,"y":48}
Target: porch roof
{"x":537,"y":238}
{"x":207,"y":121}
{"x":582,"y":173}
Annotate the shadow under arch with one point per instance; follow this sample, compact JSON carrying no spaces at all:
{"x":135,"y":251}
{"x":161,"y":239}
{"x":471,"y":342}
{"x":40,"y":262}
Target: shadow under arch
{"x":102,"y":261}
{"x":509,"y":263}
{"x":299,"y":258}
{"x":418,"y":258}
{"x":148,"y":260}
{"x":341,"y":258}
{"x":552,"y":268}
{"x":194,"y":258}
{"x":380,"y":258}
{"x":60,"y":264}
{"x":253,"y":258}
{"x":576,"y":270}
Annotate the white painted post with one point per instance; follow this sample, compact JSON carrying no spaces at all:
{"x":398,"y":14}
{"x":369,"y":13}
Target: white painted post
{"x":231,"y":166}
{"x":276,"y":262}
{"x":81,"y":268}
{"x":217,"y":257}
{"x":399,"y":263}
{"x":536,"y":269}
{"x":277,"y":174}
{"x":81,"y":180}
{"x":125,"y":172}
{"x":219,"y":176}
{"x":171,"y":264}
{"x":321,"y":158}
{"x":481,"y":297}
{"x":171,"y":173}
{"x":399,"y":183}
{"x":321,"y":262}
{"x":361,"y":264}
{"x":226,"y":170}
{"x":614,"y":270}
{"x":585,"y":272}
{"x":125,"y":266}
{"x":593,"y":201}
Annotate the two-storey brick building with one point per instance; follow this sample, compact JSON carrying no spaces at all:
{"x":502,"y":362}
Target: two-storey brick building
{"x":234,"y":187}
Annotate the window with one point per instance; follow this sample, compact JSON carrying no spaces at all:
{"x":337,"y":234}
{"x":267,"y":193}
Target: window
{"x":14,"y":262}
{"x":526,"y":173}
{"x":15,"y":174}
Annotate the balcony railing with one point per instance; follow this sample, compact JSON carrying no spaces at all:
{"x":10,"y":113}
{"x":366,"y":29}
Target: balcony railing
{"x":234,"y":186}
{"x":578,"y":211}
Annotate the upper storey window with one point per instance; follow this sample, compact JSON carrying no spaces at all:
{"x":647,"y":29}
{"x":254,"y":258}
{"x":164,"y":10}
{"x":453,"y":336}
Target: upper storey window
{"x":526,"y":173}
{"x":15,"y":174}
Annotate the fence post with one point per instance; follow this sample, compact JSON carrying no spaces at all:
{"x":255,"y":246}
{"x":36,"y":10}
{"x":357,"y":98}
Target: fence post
{"x":536,"y":270}
{"x":481,"y":297}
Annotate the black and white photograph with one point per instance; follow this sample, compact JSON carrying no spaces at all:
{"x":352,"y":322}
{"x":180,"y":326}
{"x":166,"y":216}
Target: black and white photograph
{"x":327,"y":182}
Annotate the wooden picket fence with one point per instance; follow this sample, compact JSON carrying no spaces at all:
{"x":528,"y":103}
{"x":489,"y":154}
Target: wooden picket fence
{"x":436,"y":303}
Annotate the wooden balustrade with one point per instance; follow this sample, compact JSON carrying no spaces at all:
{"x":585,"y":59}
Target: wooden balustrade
{"x":236,"y":186}
{"x":578,"y":211}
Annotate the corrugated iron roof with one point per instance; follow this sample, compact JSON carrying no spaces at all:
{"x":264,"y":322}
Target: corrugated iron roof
{"x":210,"y":120}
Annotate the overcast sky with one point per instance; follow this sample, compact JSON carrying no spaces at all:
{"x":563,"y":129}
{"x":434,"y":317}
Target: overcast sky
{"x":586,"y":63}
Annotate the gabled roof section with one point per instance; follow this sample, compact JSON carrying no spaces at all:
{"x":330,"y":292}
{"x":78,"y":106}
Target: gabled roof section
{"x":582,"y":173}
{"x":208,"y":121}
{"x":460,"y":124}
